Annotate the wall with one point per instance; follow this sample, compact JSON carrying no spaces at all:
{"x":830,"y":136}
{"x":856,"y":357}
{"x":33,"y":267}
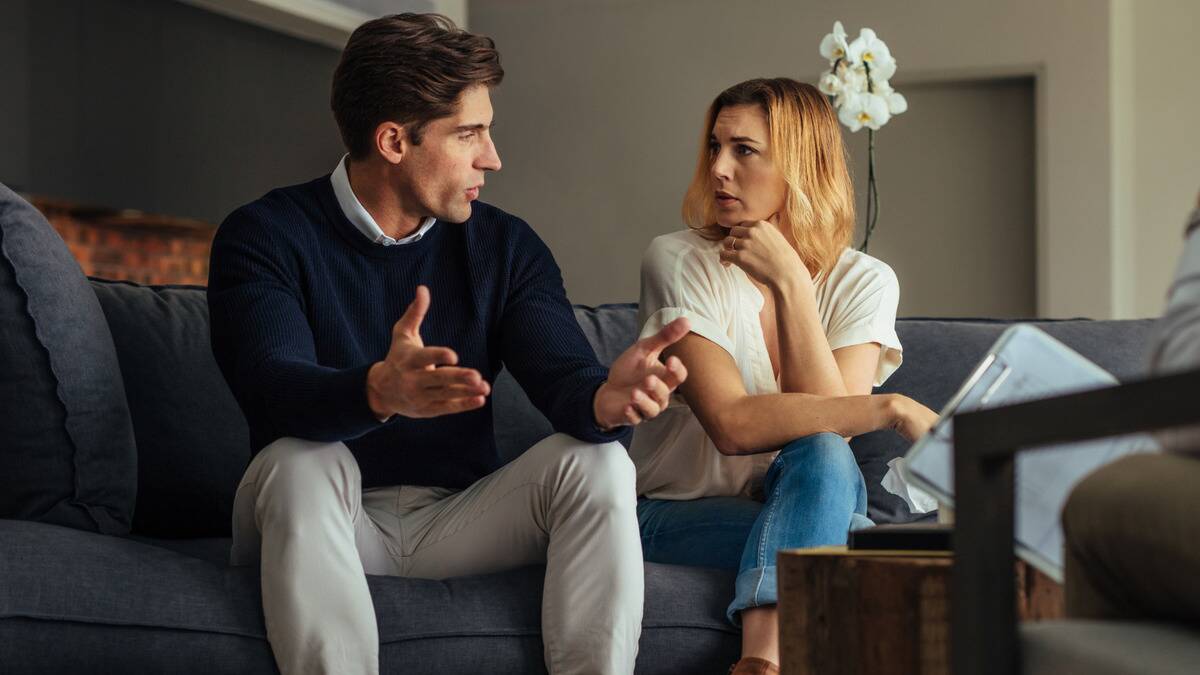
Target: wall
{"x":169,"y":108}
{"x":162,"y":106}
{"x":956,"y":186}
{"x":617,"y":89}
{"x":14,"y":103}
{"x":325,"y":22}
{"x":1164,"y":106}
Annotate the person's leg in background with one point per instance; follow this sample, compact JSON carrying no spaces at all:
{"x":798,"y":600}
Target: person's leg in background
{"x":1131,"y":530}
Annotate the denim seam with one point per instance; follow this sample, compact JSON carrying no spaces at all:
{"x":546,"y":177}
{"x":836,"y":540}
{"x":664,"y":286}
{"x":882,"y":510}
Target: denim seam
{"x":762,"y":542}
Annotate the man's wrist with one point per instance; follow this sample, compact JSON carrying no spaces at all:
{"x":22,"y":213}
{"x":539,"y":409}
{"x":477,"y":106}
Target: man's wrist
{"x":596,"y":415}
{"x":374,"y":398}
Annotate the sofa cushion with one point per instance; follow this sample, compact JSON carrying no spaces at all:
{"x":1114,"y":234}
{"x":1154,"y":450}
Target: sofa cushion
{"x":68,"y":453}
{"x":192,"y":440}
{"x":939,"y":354}
{"x":130,"y":606}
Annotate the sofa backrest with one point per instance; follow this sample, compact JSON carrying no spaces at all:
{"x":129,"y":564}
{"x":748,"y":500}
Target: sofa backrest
{"x":193,"y":442}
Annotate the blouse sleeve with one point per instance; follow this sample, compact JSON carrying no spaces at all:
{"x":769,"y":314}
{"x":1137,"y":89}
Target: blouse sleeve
{"x":678,"y":281}
{"x":865,"y":313}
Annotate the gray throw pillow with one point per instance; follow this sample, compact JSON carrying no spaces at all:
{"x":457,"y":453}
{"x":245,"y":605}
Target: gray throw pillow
{"x":192,"y":440}
{"x":67,"y":453}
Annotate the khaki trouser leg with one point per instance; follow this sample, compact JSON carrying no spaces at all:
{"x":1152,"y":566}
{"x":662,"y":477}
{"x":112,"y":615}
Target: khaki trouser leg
{"x":566,"y":503}
{"x":298,"y":510}
{"x":1131,"y":532}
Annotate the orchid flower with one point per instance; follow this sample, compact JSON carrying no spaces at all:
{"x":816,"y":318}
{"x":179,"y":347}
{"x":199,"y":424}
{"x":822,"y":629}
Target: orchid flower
{"x":834,"y":47}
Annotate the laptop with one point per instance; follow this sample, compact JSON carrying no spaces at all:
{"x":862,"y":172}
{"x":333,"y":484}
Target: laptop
{"x":1025,"y":364}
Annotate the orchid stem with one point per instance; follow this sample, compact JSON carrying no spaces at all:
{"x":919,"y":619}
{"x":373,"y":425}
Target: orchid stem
{"x":872,"y":192}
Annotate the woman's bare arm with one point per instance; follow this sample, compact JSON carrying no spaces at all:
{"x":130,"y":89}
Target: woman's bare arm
{"x":740,"y":423}
{"x":858,"y":365}
{"x":806,"y":363}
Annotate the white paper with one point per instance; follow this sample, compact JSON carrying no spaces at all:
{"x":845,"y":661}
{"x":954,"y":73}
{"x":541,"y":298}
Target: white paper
{"x":1029,"y":365}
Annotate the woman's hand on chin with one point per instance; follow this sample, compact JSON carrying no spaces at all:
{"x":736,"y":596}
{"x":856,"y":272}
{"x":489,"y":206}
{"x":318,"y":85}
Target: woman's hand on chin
{"x":763,"y":253}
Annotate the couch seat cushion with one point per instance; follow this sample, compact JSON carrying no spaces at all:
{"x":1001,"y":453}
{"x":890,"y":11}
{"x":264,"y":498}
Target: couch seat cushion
{"x":195,"y":616}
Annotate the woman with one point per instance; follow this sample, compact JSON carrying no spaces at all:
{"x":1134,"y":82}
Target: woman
{"x":790,"y":329}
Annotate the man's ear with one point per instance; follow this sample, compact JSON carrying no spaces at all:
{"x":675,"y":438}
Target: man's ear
{"x":391,"y":141}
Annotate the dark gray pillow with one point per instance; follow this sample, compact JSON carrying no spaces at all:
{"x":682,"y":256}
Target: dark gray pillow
{"x":192,"y":439}
{"x":67,"y":453}
{"x":940,"y":353}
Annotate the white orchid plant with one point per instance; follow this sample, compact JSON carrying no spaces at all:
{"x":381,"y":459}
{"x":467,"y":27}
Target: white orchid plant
{"x":858,"y":83}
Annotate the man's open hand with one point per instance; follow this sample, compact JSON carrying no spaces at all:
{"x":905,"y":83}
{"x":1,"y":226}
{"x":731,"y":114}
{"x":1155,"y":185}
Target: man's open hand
{"x":409,"y":381}
{"x":639,"y":385}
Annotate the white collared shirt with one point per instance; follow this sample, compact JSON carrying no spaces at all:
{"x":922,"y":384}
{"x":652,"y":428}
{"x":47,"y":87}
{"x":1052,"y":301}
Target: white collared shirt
{"x":358,"y":215}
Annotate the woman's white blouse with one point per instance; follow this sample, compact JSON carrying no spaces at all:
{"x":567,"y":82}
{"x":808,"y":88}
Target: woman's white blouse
{"x":682,"y":276}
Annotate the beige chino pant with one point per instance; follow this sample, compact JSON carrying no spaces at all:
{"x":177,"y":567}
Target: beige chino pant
{"x":1133,"y":540}
{"x":300,"y":511}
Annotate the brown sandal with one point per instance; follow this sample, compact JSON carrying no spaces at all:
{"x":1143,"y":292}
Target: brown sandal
{"x":752,"y":665}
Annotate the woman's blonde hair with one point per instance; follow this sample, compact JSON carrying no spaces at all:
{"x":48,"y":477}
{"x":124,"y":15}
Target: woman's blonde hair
{"x":806,"y":147}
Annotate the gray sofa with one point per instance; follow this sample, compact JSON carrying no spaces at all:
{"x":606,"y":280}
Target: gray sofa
{"x":152,"y":591}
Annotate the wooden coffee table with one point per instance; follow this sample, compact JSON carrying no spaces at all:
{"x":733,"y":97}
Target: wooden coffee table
{"x":879,"y":612}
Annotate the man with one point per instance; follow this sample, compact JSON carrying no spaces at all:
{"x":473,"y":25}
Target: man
{"x":1132,"y":527}
{"x":374,"y":448}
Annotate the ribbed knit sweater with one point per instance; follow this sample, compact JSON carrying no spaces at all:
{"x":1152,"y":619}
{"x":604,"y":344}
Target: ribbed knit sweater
{"x":301,"y":305}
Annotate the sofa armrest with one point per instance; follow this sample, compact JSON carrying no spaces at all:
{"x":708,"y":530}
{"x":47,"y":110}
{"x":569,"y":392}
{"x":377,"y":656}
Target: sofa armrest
{"x":983,"y":611}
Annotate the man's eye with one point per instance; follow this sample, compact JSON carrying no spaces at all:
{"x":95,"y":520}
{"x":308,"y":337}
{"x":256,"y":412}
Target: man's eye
{"x":466,"y":136}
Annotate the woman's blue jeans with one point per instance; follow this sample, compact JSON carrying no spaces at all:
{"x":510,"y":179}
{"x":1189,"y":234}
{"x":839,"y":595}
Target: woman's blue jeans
{"x":815,"y":495}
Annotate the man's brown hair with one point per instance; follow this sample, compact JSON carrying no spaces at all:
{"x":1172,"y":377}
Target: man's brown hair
{"x":409,"y":69}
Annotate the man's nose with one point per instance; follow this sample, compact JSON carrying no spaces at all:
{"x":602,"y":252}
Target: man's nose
{"x":490,"y":159}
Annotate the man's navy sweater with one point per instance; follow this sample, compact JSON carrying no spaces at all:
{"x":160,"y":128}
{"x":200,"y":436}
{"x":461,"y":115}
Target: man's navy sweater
{"x":301,"y":305}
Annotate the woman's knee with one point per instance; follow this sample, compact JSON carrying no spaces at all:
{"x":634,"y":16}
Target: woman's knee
{"x":825,"y":453}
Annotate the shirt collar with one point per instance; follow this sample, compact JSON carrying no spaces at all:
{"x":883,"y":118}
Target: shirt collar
{"x":358,"y":215}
